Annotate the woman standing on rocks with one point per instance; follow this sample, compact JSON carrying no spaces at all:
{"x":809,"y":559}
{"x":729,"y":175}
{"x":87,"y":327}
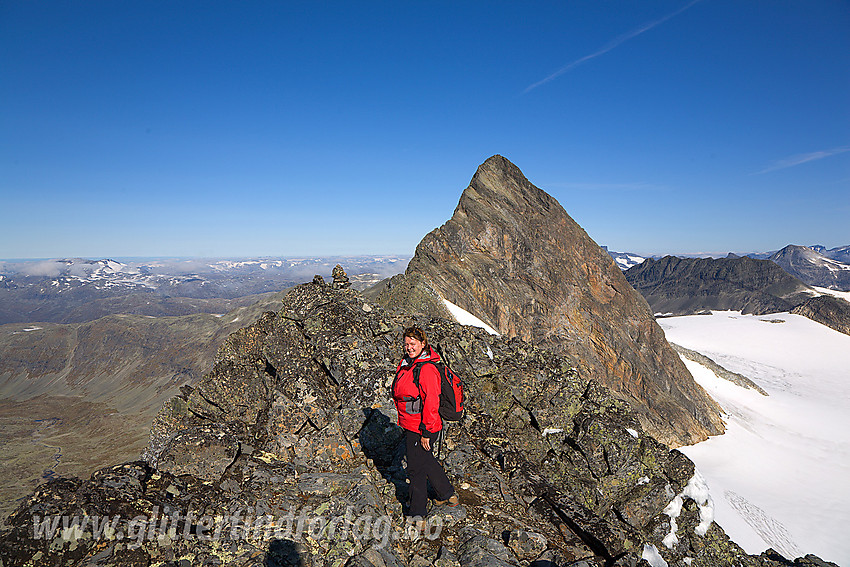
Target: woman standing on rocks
{"x":418,"y":415}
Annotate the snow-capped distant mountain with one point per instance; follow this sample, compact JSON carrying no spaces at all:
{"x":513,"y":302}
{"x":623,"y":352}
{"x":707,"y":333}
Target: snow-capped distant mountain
{"x":157,"y":273}
{"x":813,"y":265}
{"x":839,"y":254}
{"x":60,"y":290}
{"x":625,"y":260}
{"x":815,"y":268}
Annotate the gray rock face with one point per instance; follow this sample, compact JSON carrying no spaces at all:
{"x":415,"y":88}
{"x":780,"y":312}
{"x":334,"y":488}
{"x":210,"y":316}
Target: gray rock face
{"x":685,"y":286}
{"x":550,"y":467}
{"x":412,"y":292}
{"x":512,"y":256}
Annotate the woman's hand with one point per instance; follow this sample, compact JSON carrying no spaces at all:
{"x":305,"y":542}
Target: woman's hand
{"x":426,"y":443}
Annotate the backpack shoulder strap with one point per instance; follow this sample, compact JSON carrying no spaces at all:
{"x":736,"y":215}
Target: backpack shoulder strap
{"x":395,"y":381}
{"x":418,"y":368}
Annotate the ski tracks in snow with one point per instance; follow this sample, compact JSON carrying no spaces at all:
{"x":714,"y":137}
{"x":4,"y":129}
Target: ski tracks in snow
{"x":772,"y":532}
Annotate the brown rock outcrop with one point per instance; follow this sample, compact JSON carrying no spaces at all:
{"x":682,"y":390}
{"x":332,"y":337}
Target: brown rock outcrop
{"x":512,"y":256}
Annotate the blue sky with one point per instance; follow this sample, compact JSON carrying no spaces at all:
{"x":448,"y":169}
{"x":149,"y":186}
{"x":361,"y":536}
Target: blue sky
{"x":210,"y":128}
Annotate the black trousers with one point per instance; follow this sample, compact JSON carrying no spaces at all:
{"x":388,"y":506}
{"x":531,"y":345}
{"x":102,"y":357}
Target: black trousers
{"x":423,"y":467}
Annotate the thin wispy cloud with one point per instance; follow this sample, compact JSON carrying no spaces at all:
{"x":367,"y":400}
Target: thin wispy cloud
{"x":608,"y":186}
{"x":803,"y":158}
{"x":609,"y":46}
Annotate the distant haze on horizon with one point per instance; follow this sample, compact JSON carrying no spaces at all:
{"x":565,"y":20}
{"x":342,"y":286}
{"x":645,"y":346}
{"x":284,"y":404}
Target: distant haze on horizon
{"x":190,"y":263}
{"x":268,"y":129}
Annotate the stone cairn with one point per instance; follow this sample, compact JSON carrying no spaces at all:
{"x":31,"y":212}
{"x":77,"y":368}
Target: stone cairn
{"x":340,"y":278}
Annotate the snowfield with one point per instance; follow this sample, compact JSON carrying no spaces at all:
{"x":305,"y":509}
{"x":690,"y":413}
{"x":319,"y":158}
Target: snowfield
{"x":780,"y":476}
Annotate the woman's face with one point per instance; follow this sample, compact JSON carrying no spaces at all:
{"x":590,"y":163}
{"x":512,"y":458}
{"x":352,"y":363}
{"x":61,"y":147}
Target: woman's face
{"x":413,"y":346}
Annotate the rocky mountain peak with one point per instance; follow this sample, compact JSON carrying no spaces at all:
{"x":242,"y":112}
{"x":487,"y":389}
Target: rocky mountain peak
{"x":793,"y":250}
{"x":499,"y":184}
{"x":514,"y":258}
{"x":813,"y":267}
{"x":684,"y":286}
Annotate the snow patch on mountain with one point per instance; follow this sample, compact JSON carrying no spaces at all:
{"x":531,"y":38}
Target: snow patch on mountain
{"x":845,"y":295}
{"x":696,"y":490}
{"x":464,"y":317}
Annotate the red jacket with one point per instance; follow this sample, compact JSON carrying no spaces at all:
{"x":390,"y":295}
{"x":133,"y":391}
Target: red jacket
{"x":418,"y":408}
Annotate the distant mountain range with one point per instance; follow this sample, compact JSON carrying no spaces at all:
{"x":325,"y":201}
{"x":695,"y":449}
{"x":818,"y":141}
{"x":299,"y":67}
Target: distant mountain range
{"x":76,"y":290}
{"x":840,"y":254}
{"x":685,"y":286}
{"x":625,"y":260}
{"x":813,"y":265}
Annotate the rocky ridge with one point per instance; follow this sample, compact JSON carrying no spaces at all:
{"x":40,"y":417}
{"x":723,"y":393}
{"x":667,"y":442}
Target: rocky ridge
{"x":826,"y":310}
{"x":719,"y":371}
{"x":513,"y":257}
{"x":685,"y":286}
{"x":294,"y":420}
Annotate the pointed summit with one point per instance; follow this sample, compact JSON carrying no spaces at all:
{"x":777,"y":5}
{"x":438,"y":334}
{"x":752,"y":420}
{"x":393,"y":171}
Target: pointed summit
{"x":513,"y":257}
{"x":501,"y":183}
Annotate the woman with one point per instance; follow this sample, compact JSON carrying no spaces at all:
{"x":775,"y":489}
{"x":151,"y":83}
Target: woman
{"x":418,"y":416}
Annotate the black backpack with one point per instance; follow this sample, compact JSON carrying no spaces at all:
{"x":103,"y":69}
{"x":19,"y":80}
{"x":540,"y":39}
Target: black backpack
{"x":451,"y":390}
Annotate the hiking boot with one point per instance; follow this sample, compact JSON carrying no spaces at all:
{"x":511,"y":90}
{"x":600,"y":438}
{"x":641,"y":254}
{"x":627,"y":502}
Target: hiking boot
{"x":452,"y":501}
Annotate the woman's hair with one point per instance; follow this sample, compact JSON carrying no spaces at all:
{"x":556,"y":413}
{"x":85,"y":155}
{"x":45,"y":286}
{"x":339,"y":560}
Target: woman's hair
{"x":417,"y":334}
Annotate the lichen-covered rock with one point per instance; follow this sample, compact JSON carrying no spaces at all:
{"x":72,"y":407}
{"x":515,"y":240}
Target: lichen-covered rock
{"x":479,"y":550}
{"x":527,"y":545}
{"x":288,"y":453}
{"x":204,"y":452}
